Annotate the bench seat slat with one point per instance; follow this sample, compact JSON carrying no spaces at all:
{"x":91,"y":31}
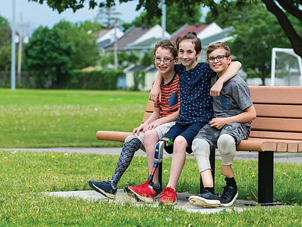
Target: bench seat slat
{"x":277,"y":124}
{"x":276,"y":135}
{"x":257,"y":145}
{"x":276,"y":94}
{"x":284,"y":145}
{"x":287,"y":111}
{"x":112,"y":135}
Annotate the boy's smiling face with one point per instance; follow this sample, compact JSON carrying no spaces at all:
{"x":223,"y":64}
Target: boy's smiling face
{"x":187,"y":54}
{"x":164,"y":60}
{"x":219,"y":66}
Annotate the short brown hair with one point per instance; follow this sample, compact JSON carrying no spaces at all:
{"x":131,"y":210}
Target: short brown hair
{"x":218,"y":45}
{"x":167,"y":44}
{"x":195,"y":40}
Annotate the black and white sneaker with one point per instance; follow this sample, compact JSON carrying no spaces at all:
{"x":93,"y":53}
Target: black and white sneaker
{"x":206,"y":199}
{"x":228,"y":196}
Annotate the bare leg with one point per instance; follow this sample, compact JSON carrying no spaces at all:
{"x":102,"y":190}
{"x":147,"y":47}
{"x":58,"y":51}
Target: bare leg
{"x":178,"y":160}
{"x":227,"y":171}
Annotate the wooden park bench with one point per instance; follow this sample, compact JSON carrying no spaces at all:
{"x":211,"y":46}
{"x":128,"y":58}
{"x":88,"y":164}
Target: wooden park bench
{"x":277,"y":128}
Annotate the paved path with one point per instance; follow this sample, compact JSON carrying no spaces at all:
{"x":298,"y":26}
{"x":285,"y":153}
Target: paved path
{"x":241,"y":155}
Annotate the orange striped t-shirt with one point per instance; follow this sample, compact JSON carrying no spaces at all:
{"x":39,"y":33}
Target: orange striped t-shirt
{"x":170,"y":97}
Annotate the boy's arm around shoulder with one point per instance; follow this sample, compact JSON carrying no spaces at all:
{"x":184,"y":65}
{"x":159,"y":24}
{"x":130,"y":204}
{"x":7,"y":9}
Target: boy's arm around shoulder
{"x":155,"y":91}
{"x":247,"y":115}
{"x":231,"y":71}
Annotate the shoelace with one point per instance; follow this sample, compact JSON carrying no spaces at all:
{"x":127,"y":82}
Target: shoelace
{"x":226,"y":193}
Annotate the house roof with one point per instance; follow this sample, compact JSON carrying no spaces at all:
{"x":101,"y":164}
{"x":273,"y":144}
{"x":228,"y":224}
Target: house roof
{"x":222,"y":36}
{"x":129,"y":37}
{"x":103,"y":32}
{"x":146,"y":44}
{"x":189,"y":28}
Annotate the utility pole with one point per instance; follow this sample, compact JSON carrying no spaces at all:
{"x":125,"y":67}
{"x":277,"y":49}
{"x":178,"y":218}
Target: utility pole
{"x":163,"y":19}
{"x":20,"y":51}
{"x":13,"y":57}
{"x":115,"y":45}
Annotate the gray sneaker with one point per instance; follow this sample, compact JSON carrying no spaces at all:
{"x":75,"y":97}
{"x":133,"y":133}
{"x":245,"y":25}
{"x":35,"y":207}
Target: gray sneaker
{"x":228,"y":196}
{"x":104,"y":188}
{"x":206,"y":199}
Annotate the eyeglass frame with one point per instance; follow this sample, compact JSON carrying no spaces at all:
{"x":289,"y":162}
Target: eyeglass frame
{"x":216,"y":58}
{"x":163,"y":60}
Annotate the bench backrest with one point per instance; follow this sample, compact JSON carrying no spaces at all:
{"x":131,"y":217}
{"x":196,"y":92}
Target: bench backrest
{"x":279,"y":112}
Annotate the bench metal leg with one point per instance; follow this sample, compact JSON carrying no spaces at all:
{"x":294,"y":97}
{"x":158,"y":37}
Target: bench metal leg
{"x":212,"y":161}
{"x":265,"y":176}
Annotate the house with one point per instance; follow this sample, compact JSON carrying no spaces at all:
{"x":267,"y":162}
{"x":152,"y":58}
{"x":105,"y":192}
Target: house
{"x":135,"y":35}
{"x":107,"y":37}
{"x":150,"y":75}
{"x":202,"y":31}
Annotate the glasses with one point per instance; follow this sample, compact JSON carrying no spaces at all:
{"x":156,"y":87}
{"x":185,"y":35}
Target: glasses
{"x":218,"y":58}
{"x":165,"y":60}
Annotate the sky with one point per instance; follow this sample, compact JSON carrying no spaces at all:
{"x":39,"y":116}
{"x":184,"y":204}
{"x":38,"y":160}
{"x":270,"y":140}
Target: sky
{"x":35,"y":14}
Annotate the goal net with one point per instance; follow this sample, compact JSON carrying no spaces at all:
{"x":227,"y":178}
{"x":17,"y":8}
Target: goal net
{"x":286,"y":68}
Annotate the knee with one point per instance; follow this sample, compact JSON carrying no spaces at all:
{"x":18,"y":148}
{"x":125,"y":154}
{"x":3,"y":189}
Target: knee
{"x":150,"y":136}
{"x":226,"y":144}
{"x":200,"y":146}
{"x":180,"y":142}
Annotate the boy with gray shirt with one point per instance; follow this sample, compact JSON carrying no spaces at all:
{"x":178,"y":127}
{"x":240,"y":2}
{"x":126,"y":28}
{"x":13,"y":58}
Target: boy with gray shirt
{"x":233,"y":113}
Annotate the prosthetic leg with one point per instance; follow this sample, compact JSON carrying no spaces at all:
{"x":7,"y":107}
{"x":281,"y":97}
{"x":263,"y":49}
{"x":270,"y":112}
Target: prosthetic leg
{"x":158,"y":155}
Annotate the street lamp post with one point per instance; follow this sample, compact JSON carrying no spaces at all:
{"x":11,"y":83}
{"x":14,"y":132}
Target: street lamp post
{"x":13,"y":59}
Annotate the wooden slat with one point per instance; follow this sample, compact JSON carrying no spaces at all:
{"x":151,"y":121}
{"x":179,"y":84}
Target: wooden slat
{"x":276,"y":135}
{"x":150,"y":107}
{"x":284,"y":145}
{"x":276,"y":94}
{"x":112,"y":135}
{"x":146,"y":116}
{"x":287,"y":111}
{"x":277,"y":124}
{"x":256,"y":145}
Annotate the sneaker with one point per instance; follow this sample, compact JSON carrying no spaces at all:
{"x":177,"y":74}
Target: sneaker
{"x":228,"y":196}
{"x":168,"y":196}
{"x":104,"y":187}
{"x":206,"y":199}
{"x":143,"y":192}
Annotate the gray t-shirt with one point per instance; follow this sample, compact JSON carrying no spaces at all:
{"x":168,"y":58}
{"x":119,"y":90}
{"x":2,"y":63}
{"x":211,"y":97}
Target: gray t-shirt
{"x":234,"y":97}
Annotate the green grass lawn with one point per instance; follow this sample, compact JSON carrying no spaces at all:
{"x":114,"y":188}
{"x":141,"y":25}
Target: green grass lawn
{"x":66,"y":118}
{"x":24,"y":176}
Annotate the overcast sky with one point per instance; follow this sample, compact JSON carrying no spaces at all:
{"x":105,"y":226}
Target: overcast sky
{"x":35,"y":14}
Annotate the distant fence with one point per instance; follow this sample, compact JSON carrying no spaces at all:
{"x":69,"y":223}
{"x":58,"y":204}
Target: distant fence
{"x":27,"y":80}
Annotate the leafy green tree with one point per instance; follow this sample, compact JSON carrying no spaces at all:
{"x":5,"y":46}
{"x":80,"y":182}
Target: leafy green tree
{"x":5,"y":44}
{"x":173,"y":19}
{"x":147,"y":59}
{"x":254,"y":40}
{"x":124,"y":59}
{"x":82,"y":36}
{"x":49,"y":56}
{"x":281,"y":9}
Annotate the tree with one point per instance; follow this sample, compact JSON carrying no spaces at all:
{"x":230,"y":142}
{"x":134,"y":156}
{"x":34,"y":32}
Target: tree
{"x":108,"y":16}
{"x":173,"y":20}
{"x":48,"y":56}
{"x":255,"y":38}
{"x":281,"y":9}
{"x":5,"y":44}
{"x":82,"y":36}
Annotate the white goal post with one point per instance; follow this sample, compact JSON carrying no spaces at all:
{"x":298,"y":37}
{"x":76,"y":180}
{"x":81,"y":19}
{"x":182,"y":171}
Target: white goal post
{"x":273,"y":65}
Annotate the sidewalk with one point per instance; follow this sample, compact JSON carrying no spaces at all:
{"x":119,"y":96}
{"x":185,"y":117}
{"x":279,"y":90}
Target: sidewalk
{"x":241,"y":155}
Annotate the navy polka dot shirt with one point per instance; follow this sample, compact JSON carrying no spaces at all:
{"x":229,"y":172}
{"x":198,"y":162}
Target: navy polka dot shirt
{"x":195,"y":99}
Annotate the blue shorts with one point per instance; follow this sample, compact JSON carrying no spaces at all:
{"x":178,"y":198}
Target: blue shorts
{"x":188,"y":131}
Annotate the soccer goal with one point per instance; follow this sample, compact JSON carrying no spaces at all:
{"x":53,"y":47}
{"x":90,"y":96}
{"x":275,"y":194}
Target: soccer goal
{"x":286,"y":68}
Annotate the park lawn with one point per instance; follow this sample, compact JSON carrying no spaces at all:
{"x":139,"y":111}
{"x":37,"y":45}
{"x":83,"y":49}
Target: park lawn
{"x":24,"y":176}
{"x":66,"y":118}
